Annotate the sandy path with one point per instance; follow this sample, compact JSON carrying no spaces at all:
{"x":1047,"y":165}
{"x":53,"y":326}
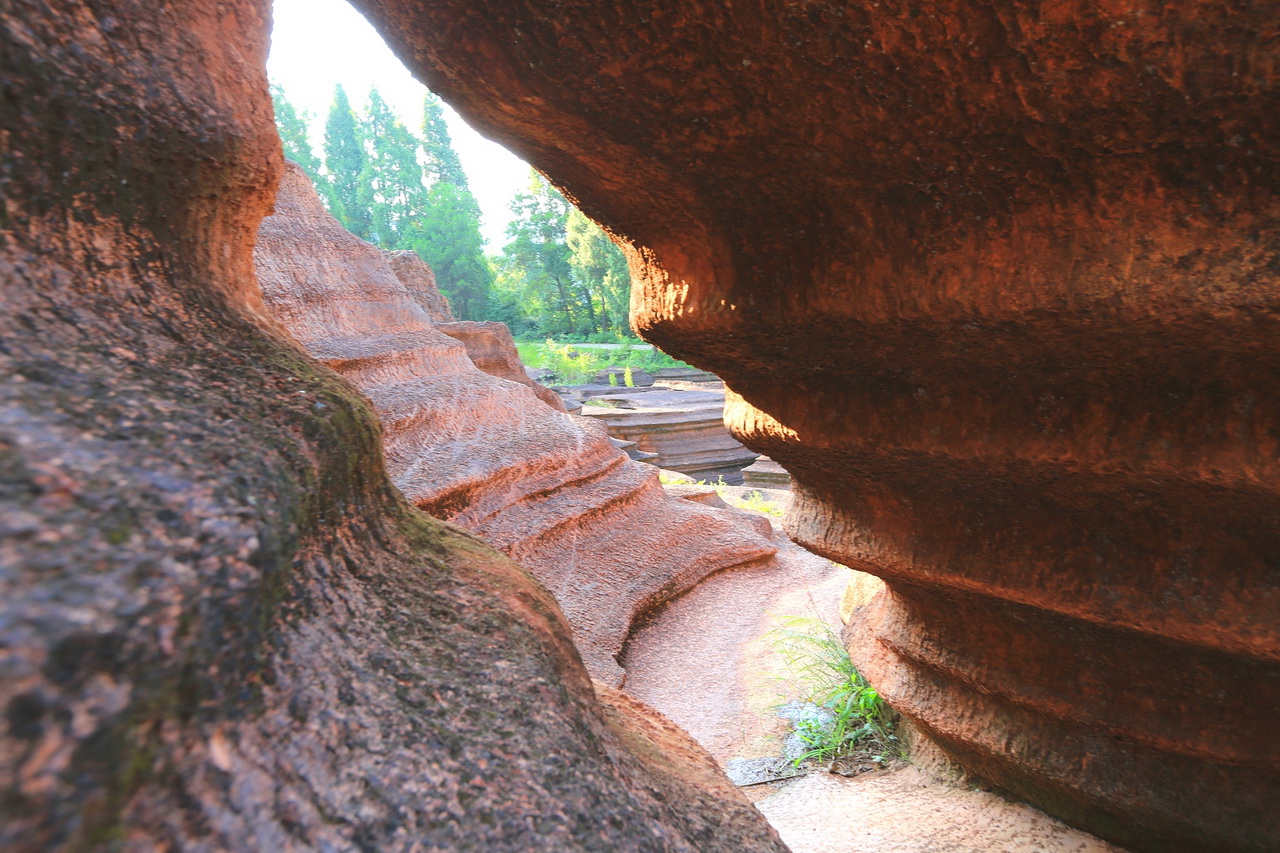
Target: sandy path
{"x":705,"y":662}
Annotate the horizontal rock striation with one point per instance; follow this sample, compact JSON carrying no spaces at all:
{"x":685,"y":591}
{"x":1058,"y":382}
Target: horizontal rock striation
{"x":546,"y":488}
{"x":998,"y":283}
{"x":221,"y":628}
{"x":685,"y":429}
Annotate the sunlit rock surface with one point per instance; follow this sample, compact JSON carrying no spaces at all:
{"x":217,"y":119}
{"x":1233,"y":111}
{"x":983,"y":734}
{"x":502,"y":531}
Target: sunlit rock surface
{"x":546,"y":488}
{"x":220,"y":626}
{"x":492,"y":349}
{"x":998,"y":284}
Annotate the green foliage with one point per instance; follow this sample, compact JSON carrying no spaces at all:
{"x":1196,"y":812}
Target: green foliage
{"x":558,"y":275}
{"x":823,"y":674}
{"x":447,"y":236}
{"x":295,"y":135}
{"x":560,"y":271}
{"x":573,"y":365}
{"x":391,"y":184}
{"x":600,"y":266}
{"x":754,"y":501}
{"x":344,"y":161}
{"x":443,"y":164}
{"x":386,"y":185}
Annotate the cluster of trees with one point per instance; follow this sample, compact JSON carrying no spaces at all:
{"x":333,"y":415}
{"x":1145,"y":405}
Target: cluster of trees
{"x":559,"y":274}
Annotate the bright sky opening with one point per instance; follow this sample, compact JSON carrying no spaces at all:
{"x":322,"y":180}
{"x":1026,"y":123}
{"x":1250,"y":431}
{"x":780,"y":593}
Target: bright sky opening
{"x":316,"y":44}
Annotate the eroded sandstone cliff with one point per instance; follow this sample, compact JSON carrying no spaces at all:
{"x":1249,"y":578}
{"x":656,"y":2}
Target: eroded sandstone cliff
{"x":998,"y":283}
{"x":220,"y":625}
{"x":547,"y":488}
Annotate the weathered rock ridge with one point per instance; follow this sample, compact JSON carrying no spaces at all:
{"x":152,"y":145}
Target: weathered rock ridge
{"x":220,"y":625}
{"x":997,"y":282}
{"x":547,"y":488}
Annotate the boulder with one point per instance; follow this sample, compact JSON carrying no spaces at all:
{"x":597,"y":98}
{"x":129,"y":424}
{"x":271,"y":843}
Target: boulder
{"x":420,"y":280}
{"x":999,"y":284}
{"x":767,"y":474}
{"x":547,"y":488}
{"x":539,"y":374}
{"x":221,"y":626}
{"x":493,"y":350}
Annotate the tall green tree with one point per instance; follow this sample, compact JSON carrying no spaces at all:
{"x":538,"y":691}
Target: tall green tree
{"x":443,"y":163}
{"x":344,"y":160}
{"x":294,"y":128}
{"x":536,"y":263}
{"x":601,"y":268}
{"x":391,"y":184}
{"x":447,"y":236}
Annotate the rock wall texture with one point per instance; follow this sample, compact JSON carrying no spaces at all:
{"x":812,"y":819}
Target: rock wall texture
{"x":492,"y":349}
{"x":220,"y":626}
{"x":547,"y":488}
{"x":998,"y":283}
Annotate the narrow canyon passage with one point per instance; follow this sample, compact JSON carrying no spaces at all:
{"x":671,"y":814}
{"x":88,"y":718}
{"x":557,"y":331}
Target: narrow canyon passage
{"x":998,"y":282}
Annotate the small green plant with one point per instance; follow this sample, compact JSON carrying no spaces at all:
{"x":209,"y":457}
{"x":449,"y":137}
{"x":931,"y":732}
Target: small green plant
{"x":613,"y":378}
{"x":627,"y":378}
{"x":572,"y":365}
{"x":754,"y":501}
{"x":856,"y":719}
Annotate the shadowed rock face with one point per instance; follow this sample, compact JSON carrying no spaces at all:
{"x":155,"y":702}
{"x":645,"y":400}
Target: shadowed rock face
{"x":220,"y":626}
{"x":547,"y":488}
{"x":998,"y":284}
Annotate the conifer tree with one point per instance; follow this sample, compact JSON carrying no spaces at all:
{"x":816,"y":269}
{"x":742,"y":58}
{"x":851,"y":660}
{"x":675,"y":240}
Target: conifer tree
{"x":443,"y":163}
{"x":344,"y":159}
{"x":447,"y":236}
{"x":294,"y":128}
{"x":391,"y":185}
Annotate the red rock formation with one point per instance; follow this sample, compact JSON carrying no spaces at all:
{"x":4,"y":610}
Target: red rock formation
{"x":489,"y":345}
{"x":998,"y":283}
{"x":492,"y":349}
{"x":420,"y":280}
{"x":220,"y":626}
{"x":547,"y":488}
{"x":684,"y":428}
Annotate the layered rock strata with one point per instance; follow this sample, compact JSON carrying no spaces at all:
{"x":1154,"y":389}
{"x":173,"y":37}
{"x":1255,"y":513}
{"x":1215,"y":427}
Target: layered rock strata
{"x":220,"y":626}
{"x":685,"y":429}
{"x":548,"y":489}
{"x":766,"y":473}
{"x":998,"y":284}
{"x":492,"y":349}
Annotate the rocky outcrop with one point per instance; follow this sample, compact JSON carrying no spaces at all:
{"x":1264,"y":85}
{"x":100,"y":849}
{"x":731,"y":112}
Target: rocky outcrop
{"x":998,"y":284}
{"x":492,"y":349}
{"x":220,"y":626}
{"x":767,"y":474}
{"x":685,"y":429}
{"x":420,"y":280}
{"x":548,"y":489}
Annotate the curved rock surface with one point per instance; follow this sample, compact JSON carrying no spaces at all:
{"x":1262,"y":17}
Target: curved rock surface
{"x":998,"y":282}
{"x":546,"y":488}
{"x":492,"y":349}
{"x":221,"y":628}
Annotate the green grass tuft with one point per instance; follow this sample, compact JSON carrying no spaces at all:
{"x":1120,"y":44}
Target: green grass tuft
{"x":822,"y":673}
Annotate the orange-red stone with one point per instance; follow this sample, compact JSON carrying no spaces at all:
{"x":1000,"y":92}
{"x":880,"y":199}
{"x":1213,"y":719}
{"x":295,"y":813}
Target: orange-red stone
{"x":999,"y":283}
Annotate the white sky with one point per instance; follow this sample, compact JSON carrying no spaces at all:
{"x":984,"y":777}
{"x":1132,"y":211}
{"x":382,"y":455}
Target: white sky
{"x":316,"y":44}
